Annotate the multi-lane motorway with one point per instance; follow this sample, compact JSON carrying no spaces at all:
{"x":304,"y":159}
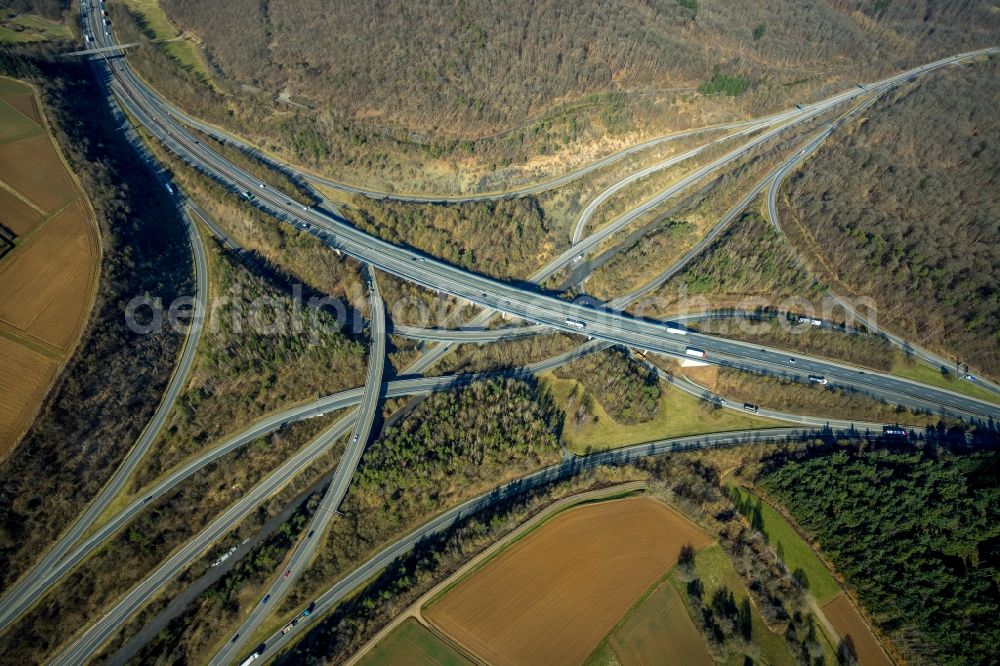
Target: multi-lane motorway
{"x":346,"y":585}
{"x":25,"y":591}
{"x":608,"y":327}
{"x":514,"y":299}
{"x":316,"y":529}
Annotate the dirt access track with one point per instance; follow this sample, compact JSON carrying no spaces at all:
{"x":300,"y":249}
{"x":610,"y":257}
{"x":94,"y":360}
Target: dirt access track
{"x":552,"y":596}
{"x":49,"y":260}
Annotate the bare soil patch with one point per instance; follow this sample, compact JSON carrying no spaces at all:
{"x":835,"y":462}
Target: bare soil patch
{"x":14,"y":125}
{"x":553,"y":596}
{"x":47,"y":279}
{"x":25,"y":104}
{"x":850,"y":626}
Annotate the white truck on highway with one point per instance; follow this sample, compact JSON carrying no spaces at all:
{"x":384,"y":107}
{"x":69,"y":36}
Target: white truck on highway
{"x":575,"y":323}
{"x":694,"y":351}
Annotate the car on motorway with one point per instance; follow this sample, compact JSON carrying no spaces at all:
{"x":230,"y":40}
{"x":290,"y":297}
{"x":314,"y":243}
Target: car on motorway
{"x":288,"y":572}
{"x":267,"y":597}
{"x":791,"y":360}
{"x":895,"y":432}
{"x":818,"y":379}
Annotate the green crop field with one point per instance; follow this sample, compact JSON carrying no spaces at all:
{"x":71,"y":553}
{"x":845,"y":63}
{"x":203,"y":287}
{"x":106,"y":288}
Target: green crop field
{"x":14,"y":125}
{"x":412,"y":644}
{"x":660,"y":631}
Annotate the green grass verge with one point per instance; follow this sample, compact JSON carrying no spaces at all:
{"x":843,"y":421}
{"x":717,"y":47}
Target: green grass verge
{"x":794,"y":552}
{"x":678,"y":415}
{"x":33,"y":29}
{"x":185,"y":53}
{"x":413,"y":644}
{"x":920,"y":372}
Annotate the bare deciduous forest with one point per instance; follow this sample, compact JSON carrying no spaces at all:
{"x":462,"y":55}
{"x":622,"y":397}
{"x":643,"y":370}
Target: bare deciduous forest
{"x":112,"y":384}
{"x":906,"y":207}
{"x":490,"y":93}
{"x":481,"y":66}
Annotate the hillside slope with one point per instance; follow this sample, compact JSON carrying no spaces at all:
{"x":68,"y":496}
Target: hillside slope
{"x":907,"y":208}
{"x":482,"y":65}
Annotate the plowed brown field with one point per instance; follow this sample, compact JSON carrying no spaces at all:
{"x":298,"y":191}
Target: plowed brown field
{"x":849,"y":624}
{"x":552,"y":596}
{"x":47,"y":279}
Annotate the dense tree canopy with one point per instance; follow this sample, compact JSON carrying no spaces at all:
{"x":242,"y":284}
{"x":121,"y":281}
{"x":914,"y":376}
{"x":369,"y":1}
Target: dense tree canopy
{"x":917,"y":536}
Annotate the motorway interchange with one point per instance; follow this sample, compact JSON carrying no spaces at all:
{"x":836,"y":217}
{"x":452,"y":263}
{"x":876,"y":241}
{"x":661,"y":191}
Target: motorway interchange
{"x":605,"y":327}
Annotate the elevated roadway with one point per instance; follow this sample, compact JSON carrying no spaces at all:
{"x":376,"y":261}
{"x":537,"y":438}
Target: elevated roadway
{"x":304,"y":551}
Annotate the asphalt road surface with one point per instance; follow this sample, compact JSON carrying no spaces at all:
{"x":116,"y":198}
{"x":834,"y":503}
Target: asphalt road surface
{"x":316,"y":529}
{"x":25,"y":592}
{"x":517,"y":300}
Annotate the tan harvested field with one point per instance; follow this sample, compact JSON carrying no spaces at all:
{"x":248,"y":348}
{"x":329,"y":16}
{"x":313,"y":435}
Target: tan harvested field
{"x":553,"y":596}
{"x":16,"y":215}
{"x":848,"y":623}
{"x":32,"y":167}
{"x":47,"y":280}
{"x":660,"y":633}
{"x":24,"y":376}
